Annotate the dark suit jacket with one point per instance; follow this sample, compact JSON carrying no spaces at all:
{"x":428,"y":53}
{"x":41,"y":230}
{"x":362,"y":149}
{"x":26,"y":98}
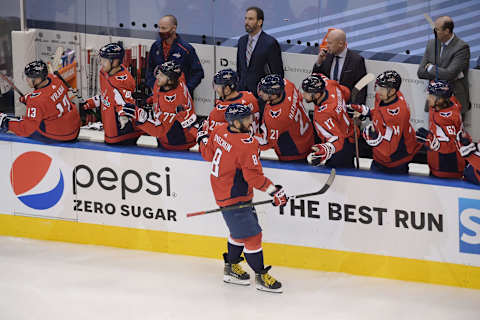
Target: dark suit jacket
{"x":266,"y":59}
{"x":353,"y":70}
{"x":454,"y":60}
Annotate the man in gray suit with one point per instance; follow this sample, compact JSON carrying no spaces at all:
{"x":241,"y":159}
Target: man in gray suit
{"x":452,"y":59}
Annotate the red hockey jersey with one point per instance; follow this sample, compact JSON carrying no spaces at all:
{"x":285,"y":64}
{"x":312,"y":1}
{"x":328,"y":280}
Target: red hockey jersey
{"x":474,"y":160}
{"x":331,"y":119}
{"x":167,"y":125}
{"x":286,"y":126}
{"x":116,"y":91}
{"x":50,"y":113}
{"x":399,"y":143}
{"x":236,"y":167}
{"x":445,"y":124}
{"x":217,"y":115}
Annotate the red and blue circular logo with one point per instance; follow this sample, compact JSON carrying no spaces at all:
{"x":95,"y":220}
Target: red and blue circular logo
{"x":36,"y":180}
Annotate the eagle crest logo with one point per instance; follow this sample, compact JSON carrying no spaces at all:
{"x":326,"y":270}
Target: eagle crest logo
{"x":394,"y":112}
{"x":171,"y":98}
{"x":275,"y":114}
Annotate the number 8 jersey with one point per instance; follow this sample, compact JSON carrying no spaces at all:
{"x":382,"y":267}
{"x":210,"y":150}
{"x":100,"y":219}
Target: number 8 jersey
{"x":236,"y":167}
{"x":286,"y":126}
{"x":49,"y":112}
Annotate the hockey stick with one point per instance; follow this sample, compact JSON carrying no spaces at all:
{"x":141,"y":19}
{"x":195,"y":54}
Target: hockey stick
{"x":432,"y":25}
{"x":324,"y":189}
{"x":74,"y":91}
{"x":362,"y":83}
{"x":4,"y":77}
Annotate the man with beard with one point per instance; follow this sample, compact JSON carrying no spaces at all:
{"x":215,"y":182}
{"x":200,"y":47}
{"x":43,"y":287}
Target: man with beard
{"x":258,"y":53}
{"x":236,"y":170}
{"x":171,"y":47}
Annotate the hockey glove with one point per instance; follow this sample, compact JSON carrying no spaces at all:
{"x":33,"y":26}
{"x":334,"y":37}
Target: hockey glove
{"x":202,"y":136}
{"x":428,"y":138}
{"x":371,"y":135}
{"x":129,"y":111}
{"x":279,"y":196}
{"x":362,"y":110}
{"x":4,"y":122}
{"x":465,"y":144}
{"x":323,"y":152}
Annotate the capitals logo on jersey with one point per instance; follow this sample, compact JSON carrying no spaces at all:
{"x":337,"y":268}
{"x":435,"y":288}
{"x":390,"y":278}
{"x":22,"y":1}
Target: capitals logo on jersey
{"x":221,"y":107}
{"x":322,"y":108}
{"x":121,"y":78}
{"x":36,"y":180}
{"x":446,"y":114}
{"x":394,"y":112}
{"x":275,"y":114}
{"x":170,"y":98}
{"x":248,"y":140}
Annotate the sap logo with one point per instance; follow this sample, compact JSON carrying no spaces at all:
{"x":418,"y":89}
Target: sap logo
{"x":36,"y":181}
{"x":469,"y":225}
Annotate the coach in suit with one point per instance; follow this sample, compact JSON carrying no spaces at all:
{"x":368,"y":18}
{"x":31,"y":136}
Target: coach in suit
{"x":453,"y":61}
{"x":258,"y":53}
{"x":341,"y":64}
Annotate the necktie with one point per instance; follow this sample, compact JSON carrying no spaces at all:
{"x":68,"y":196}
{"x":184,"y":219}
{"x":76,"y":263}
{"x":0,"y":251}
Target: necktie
{"x":442,"y":49}
{"x":249,"y":50}
{"x":335,"y":69}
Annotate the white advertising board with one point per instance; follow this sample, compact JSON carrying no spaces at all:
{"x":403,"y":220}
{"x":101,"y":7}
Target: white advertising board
{"x":406,"y":218}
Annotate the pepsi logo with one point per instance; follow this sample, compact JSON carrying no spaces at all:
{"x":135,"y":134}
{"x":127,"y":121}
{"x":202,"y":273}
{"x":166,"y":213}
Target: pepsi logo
{"x":36,"y":180}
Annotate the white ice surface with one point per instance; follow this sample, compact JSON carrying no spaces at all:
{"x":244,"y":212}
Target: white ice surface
{"x":54,"y":280}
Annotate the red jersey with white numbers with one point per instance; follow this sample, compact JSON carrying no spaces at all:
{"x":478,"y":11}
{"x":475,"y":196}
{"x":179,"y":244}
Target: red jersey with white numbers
{"x":474,"y":160}
{"x":236,"y":167}
{"x":399,"y":143}
{"x":167,"y":125}
{"x":286,"y":126}
{"x":331,"y":119}
{"x":49,"y":112}
{"x":217,"y":115}
{"x":444,"y":124}
{"x":116,"y":91}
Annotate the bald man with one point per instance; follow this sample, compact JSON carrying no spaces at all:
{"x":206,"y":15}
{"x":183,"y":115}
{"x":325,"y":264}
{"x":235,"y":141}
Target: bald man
{"x":340,"y":63}
{"x":171,"y":46}
{"x":453,"y":61}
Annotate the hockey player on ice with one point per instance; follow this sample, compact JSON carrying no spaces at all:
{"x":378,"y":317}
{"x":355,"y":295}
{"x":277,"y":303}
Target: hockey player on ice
{"x":225,"y":84}
{"x":390,"y":133}
{"x":445,"y":121}
{"x":50,"y":116}
{"x":235,"y":171}
{"x":285,"y":127}
{"x":116,"y":87}
{"x":332,"y":123}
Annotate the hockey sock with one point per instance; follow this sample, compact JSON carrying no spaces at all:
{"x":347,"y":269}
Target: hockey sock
{"x":255,"y":261}
{"x":234,"y":252}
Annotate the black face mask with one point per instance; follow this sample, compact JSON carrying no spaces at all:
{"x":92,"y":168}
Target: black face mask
{"x":165,"y":35}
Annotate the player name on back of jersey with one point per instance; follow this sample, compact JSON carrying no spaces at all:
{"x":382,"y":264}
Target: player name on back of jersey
{"x":224,"y":144}
{"x":57,"y":94}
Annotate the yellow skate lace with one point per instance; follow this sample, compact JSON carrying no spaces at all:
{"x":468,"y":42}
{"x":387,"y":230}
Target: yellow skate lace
{"x":236,"y":268}
{"x":268,"y":279}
